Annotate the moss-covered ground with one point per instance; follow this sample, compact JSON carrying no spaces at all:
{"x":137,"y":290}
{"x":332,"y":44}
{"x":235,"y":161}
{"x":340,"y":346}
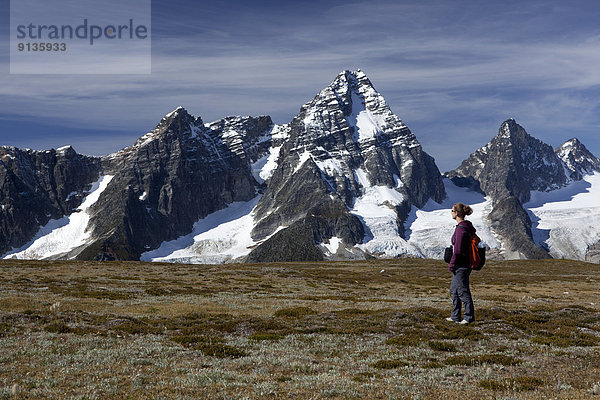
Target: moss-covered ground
{"x":340,"y":330}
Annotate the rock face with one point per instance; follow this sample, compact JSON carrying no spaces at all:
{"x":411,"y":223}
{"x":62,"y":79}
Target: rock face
{"x":509,"y":168}
{"x":171,"y":177}
{"x":593,"y":254}
{"x":343,"y":145}
{"x":512,"y":222}
{"x":512,"y":164}
{"x":36,"y":186}
{"x":578,"y":160}
{"x":297,"y":242}
{"x":344,"y":179}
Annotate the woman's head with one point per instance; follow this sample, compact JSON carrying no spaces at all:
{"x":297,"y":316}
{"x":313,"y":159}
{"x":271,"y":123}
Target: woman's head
{"x":461,"y":211}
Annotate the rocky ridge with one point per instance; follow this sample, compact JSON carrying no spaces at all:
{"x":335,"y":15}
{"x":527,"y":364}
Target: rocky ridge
{"x":37,"y":186}
{"x":509,"y":168}
{"x":577,"y":159}
{"x":344,"y":179}
{"x":344,"y":146}
{"x":180,"y":172}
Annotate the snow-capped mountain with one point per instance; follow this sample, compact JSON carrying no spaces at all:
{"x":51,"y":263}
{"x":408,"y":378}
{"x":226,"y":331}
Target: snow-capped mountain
{"x":577,"y":159}
{"x":512,"y":163}
{"x":174,"y":175}
{"x":347,"y":158}
{"x":178,"y":173}
{"x":344,"y":179}
{"x":39,"y":186}
{"x":509,"y":170}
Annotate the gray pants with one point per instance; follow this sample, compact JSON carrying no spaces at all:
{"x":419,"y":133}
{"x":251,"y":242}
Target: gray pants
{"x":461,"y":294}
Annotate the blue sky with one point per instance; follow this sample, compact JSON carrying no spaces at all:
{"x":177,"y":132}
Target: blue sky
{"x":451,"y":70}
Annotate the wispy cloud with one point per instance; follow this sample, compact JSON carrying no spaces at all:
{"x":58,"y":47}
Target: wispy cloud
{"x":458,"y":66}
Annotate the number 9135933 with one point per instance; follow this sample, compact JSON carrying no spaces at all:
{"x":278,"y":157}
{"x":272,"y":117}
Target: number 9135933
{"x":35,"y":46}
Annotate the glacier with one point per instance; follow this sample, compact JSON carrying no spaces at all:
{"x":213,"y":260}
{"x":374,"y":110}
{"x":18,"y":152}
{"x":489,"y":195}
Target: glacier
{"x":567,"y":220}
{"x":60,"y":237}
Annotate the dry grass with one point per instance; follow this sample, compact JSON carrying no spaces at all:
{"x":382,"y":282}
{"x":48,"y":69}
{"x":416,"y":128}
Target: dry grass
{"x":331,"y":330}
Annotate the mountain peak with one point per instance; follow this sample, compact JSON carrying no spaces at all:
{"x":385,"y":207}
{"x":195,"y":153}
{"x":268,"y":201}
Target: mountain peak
{"x":349,"y":74}
{"x":577,"y":158}
{"x":178,"y":122}
{"x":509,"y":128}
{"x":67,"y":151}
{"x":355,"y":81}
{"x":520,"y":161}
{"x":179,"y":113}
{"x":176,"y":112}
{"x":352,"y":104}
{"x":572,"y":142}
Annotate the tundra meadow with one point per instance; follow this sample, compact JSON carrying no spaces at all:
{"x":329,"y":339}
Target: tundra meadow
{"x":338,"y":330}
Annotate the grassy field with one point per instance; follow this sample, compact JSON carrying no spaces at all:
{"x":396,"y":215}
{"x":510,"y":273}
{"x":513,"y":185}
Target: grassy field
{"x":343,"y":330}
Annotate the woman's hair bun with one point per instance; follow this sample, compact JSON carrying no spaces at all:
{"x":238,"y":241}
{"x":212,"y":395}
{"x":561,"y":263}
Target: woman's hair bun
{"x":462,"y":210}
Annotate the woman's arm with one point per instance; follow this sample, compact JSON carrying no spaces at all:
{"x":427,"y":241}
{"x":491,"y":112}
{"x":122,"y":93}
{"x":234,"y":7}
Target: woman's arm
{"x":457,"y":255}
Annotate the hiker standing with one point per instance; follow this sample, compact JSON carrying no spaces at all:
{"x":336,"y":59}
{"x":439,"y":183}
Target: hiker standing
{"x":460,"y":266}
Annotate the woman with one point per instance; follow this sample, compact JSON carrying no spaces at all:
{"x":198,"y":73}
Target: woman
{"x":460,"y":266}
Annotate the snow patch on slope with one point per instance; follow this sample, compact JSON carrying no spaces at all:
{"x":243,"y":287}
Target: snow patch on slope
{"x":333,"y":245}
{"x":263,"y":168}
{"x":257,"y":167}
{"x":375,"y":209}
{"x":271,"y":163}
{"x":220,"y":237}
{"x":304,"y":157}
{"x":367,"y":125}
{"x":567,"y":220}
{"x":59,"y":237}
{"x":331,"y":164}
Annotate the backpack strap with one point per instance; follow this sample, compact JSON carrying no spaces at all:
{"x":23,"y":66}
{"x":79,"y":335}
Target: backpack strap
{"x":471,"y":235}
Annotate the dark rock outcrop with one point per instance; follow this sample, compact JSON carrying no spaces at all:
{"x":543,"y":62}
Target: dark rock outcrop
{"x":36,"y":186}
{"x":347,"y":129}
{"x":171,"y":177}
{"x":593,"y":253}
{"x":297,"y":241}
{"x":578,"y":160}
{"x":512,"y":164}
{"x":511,"y":221}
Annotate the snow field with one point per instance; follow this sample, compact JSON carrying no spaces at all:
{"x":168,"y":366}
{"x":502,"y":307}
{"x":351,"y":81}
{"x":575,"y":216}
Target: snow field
{"x":567,"y":220}
{"x":219,"y":237}
{"x":61,"y":236}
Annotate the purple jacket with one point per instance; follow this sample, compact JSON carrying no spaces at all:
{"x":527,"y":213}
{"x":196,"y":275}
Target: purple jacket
{"x":460,"y":241}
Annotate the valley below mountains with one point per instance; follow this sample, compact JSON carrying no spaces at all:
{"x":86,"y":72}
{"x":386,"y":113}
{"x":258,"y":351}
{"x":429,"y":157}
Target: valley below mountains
{"x":344,"y":179}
